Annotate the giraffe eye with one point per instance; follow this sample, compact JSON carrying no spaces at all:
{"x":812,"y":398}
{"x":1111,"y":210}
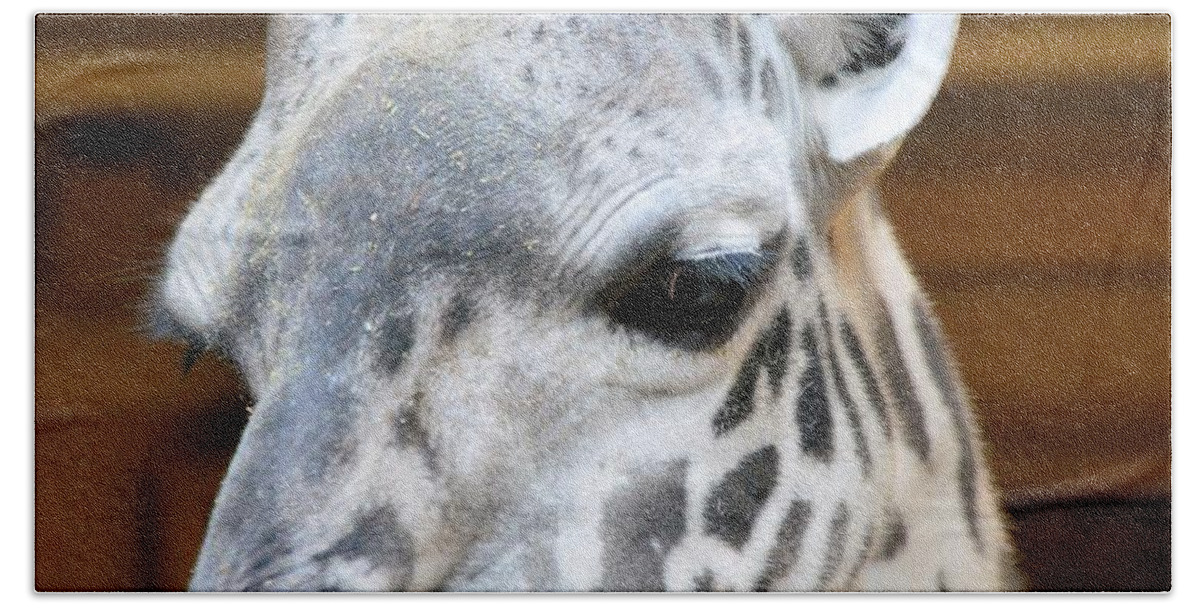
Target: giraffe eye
{"x":693,"y":303}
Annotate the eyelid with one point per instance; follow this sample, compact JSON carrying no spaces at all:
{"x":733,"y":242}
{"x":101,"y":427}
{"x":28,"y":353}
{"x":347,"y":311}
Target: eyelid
{"x":767,"y":252}
{"x":743,"y":267}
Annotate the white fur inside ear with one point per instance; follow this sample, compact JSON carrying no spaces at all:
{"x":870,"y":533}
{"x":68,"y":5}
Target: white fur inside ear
{"x":861,"y":113}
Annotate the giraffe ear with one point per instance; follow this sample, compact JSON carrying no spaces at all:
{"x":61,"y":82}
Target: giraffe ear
{"x":873,"y":76}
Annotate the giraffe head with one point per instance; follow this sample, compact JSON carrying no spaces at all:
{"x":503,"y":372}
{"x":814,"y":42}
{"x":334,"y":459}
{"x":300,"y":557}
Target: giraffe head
{"x":496,"y":282}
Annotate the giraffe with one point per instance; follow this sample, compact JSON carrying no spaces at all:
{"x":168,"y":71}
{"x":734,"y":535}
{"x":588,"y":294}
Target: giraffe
{"x":582,"y":302}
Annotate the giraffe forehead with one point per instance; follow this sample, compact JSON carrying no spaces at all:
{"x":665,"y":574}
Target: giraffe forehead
{"x":479,"y":148}
{"x":481,"y":167}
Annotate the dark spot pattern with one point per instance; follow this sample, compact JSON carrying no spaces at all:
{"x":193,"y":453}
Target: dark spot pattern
{"x":851,"y":408}
{"x":344,"y":451}
{"x":895,"y":373}
{"x":703,"y":582}
{"x":812,"y":405}
{"x":410,"y":433}
{"x":895,"y":536}
{"x":272,"y":549}
{"x":735,"y":503}
{"x":943,"y":374}
{"x":769,"y":81}
{"x":778,"y":351}
{"x":858,"y":358}
{"x":394,"y":342}
{"x":709,"y":76}
{"x":786,"y":549}
{"x":723,"y":28}
{"x":835,"y":547}
{"x":377,"y":538}
{"x":641,"y":526}
{"x":771,"y":351}
{"x":802,"y":261}
{"x":864,"y":553}
{"x":745,"y":60}
{"x":458,"y":316}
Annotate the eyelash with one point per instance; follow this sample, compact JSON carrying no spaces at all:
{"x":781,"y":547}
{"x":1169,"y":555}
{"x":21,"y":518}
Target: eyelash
{"x":691,"y":303}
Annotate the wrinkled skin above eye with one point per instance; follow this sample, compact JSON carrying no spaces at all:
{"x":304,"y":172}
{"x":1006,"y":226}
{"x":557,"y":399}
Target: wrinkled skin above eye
{"x":688,"y":303}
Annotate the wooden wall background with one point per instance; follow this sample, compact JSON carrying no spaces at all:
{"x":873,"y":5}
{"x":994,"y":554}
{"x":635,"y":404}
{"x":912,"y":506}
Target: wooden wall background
{"x":1034,"y":202}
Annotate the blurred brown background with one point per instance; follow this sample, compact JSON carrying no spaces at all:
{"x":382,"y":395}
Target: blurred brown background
{"x":1034,"y":202}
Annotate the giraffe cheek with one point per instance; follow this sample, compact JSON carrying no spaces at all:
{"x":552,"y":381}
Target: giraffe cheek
{"x":643,"y":522}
